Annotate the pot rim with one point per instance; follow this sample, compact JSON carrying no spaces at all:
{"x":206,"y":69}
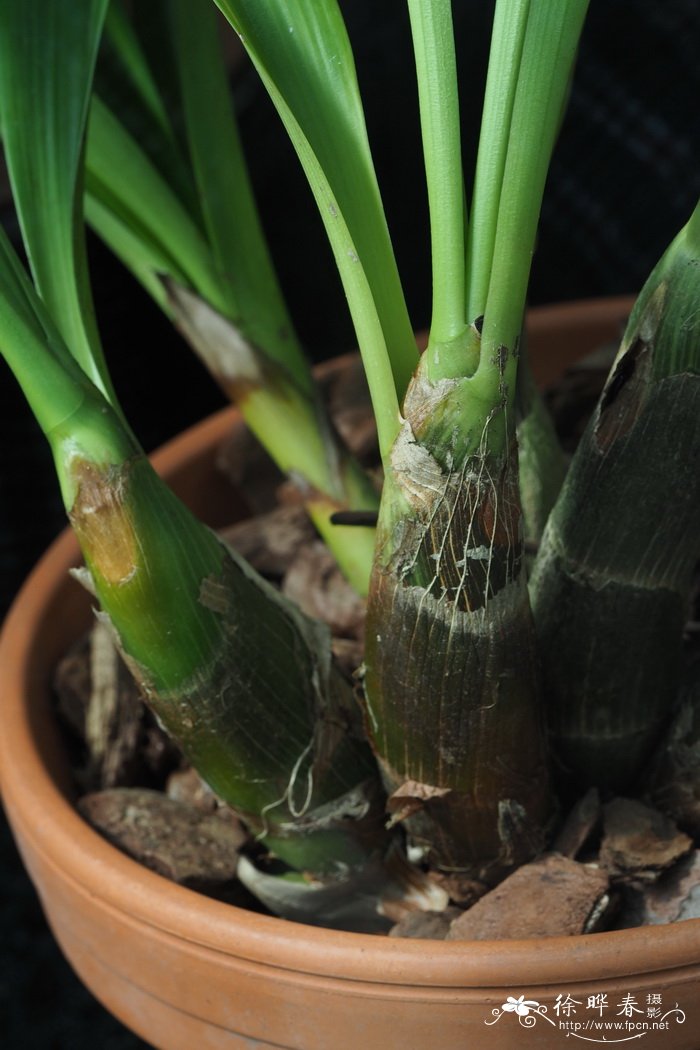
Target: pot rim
{"x":35,"y":784}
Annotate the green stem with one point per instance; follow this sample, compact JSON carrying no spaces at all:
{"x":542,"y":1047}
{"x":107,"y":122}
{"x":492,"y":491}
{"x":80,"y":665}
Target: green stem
{"x":59,"y":393}
{"x":238,"y":677}
{"x":450,"y":646}
{"x":241,"y":679}
{"x":548,"y":51}
{"x":433,"y":42}
{"x":507,"y":38}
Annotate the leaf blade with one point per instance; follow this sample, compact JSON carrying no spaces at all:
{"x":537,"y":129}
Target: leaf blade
{"x":303,"y":55}
{"x":47,"y":59}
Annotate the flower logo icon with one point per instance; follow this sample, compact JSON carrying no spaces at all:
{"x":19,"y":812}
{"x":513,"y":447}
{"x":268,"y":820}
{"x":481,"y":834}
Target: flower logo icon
{"x":529,"y":1012}
{"x":526,"y":1010}
{"x":520,"y":1006}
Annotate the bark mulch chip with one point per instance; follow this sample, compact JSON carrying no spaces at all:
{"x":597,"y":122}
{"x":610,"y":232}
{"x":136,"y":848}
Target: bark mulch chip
{"x":552,"y":897}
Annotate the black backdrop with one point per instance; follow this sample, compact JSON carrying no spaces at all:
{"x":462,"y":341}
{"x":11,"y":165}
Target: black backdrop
{"x":625,"y":177}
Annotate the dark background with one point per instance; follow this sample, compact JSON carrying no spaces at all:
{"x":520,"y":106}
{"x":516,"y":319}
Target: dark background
{"x":626,"y":176}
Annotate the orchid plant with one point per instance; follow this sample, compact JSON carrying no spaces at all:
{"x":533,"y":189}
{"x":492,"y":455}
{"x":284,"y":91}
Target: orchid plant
{"x":489,"y":686}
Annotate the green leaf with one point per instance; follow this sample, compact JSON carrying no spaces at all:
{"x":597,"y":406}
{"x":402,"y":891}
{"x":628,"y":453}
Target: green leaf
{"x":47,"y":58}
{"x":303,"y":55}
{"x":507,"y":36}
{"x":127,"y":81}
{"x":548,"y":52}
{"x":433,"y":43}
{"x":229,"y":210}
{"x":32,"y":347}
{"x":126,"y":44}
{"x":145,"y":257}
{"x":231,"y":328}
{"x":121,"y":178}
{"x":70,"y":410}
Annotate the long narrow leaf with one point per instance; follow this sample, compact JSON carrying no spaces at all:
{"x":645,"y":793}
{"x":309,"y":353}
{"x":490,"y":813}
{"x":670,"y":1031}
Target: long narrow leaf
{"x":70,"y":410}
{"x":145,"y":257}
{"x":301,"y":50}
{"x":433,"y":43}
{"x":241,"y":333}
{"x":127,"y":82}
{"x":229,"y":210}
{"x":507,"y":36}
{"x":551,"y":40}
{"x":47,"y":57}
{"x":41,"y":363}
{"x":127,"y":46}
{"x":119,"y":173}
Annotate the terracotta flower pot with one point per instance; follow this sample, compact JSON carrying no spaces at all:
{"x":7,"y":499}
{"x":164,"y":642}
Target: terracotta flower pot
{"x":189,"y":973}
